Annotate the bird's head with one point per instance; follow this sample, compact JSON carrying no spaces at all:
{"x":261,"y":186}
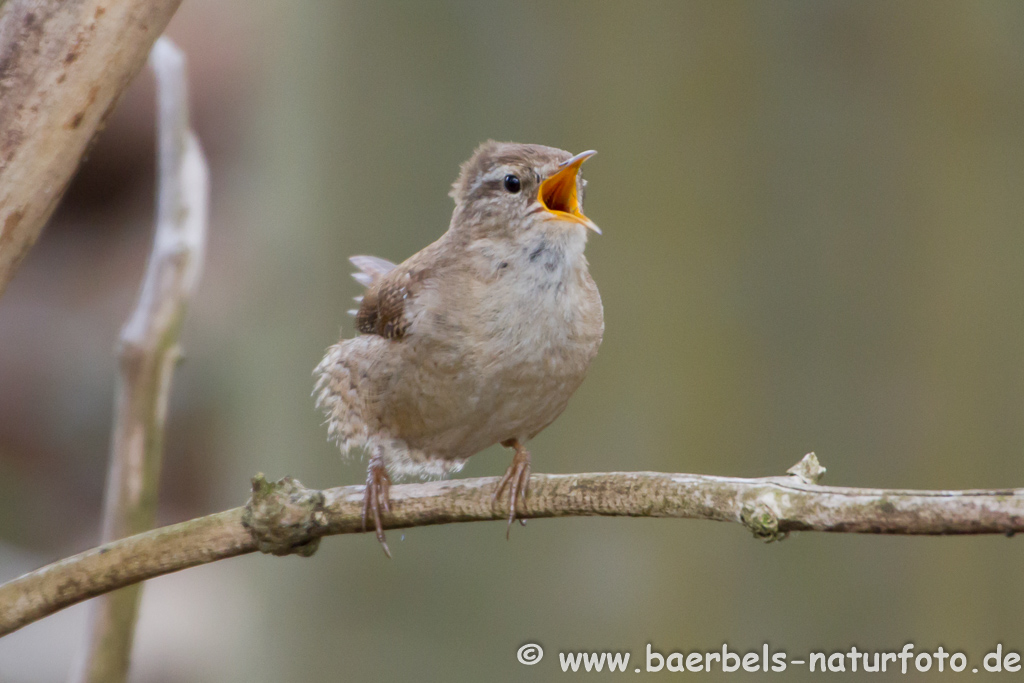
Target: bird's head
{"x":507,"y":187}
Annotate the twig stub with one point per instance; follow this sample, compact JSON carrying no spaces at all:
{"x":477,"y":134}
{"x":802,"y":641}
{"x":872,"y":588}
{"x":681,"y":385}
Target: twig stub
{"x":808,"y":470}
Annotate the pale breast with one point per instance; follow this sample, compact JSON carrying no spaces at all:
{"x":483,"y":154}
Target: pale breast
{"x":502,"y":368}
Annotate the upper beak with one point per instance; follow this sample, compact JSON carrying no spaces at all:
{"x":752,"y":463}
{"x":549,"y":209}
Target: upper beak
{"x":558,"y":192}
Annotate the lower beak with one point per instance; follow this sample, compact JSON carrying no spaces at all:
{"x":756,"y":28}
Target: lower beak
{"x":558,"y":192}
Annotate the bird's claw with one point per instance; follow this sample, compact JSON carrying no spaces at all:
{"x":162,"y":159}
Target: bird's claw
{"x":517,"y":480}
{"x":376,"y":496}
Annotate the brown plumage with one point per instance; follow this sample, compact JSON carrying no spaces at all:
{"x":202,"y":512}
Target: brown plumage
{"x":480,"y":338}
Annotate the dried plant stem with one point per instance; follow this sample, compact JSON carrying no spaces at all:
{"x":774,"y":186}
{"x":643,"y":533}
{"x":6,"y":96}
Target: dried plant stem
{"x":285,"y":517}
{"x":148,"y":352}
{"x":63,"y":66}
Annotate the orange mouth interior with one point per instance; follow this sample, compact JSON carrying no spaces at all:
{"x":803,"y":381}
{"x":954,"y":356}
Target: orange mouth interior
{"x":558,"y":192}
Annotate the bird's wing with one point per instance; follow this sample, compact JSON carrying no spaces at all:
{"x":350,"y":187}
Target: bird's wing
{"x":389,"y":287}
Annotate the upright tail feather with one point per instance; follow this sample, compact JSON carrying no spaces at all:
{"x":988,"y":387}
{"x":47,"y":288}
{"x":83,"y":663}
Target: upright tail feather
{"x":371,"y":269}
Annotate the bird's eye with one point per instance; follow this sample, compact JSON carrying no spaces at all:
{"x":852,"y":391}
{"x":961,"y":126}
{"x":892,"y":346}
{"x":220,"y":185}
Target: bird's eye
{"x":512,"y":183}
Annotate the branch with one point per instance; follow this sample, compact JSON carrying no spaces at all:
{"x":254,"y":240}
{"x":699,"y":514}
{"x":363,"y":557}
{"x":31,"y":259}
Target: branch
{"x":148,"y":351}
{"x":285,"y":517}
{"x":63,"y":66}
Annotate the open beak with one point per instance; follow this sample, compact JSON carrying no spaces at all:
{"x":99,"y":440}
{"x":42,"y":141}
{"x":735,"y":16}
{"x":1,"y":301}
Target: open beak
{"x":558,"y":192}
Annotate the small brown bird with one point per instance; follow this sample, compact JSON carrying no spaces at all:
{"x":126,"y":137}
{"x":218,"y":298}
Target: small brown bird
{"x":480,"y":338}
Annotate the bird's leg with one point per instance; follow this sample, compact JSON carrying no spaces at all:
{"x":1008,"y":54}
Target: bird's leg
{"x":517,"y":479}
{"x":378,"y":484}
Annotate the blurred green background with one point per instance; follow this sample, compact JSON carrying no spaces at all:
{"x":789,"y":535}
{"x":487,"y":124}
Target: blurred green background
{"x":812,"y":217}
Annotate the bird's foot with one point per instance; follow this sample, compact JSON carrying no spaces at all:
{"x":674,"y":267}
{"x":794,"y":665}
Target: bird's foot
{"x":378,"y":485}
{"x":517,"y":479}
